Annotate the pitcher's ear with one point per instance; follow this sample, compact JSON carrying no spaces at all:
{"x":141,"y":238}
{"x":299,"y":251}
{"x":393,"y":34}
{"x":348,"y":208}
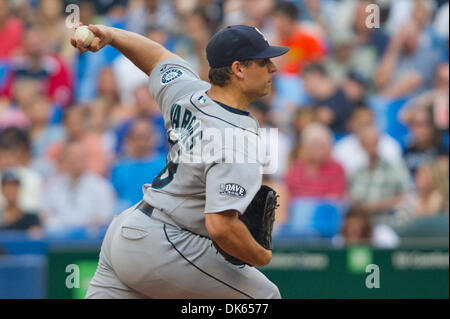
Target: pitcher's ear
{"x":237,"y":68}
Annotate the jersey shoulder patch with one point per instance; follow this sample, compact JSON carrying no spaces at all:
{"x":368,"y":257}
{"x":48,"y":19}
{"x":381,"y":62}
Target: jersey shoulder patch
{"x":232,"y":189}
{"x":171,"y":75}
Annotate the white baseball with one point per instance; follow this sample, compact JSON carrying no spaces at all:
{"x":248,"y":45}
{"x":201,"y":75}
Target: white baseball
{"x":84,"y":34}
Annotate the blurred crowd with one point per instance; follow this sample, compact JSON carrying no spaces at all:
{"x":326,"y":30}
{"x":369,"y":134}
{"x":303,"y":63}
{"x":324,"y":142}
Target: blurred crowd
{"x":362,"y":112}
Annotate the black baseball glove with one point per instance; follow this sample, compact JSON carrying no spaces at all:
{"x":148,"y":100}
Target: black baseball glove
{"x":259,"y":218}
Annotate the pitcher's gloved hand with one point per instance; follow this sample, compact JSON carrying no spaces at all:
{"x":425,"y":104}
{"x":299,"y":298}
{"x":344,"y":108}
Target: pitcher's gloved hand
{"x":259,"y":218}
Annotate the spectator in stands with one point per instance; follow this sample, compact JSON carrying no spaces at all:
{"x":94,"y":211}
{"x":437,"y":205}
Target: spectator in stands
{"x":42,"y":133}
{"x":12,"y":217}
{"x":89,"y":12}
{"x":436,"y":100}
{"x":76,"y":197}
{"x":426,"y":143}
{"x":315,"y":174}
{"x":302,"y":118}
{"x":258,"y":13}
{"x":406,"y":67}
{"x":277,"y":147}
{"x":332,"y":106}
{"x":356,"y":47}
{"x":370,"y":43}
{"x":75,"y":130}
{"x":25,"y":11}
{"x":98,"y":123}
{"x":107,"y":87}
{"x":422,"y":14}
{"x":431,"y":194}
{"x":13,"y":117}
{"x":233,"y":13}
{"x":349,"y":152}
{"x":51,"y":72}
{"x":197,"y":29}
{"x":109,"y":97}
{"x":380,"y":186}
{"x":50,"y":17}
{"x":24,"y":92}
{"x":400,"y":13}
{"x":15,"y":152}
{"x":14,"y":138}
{"x":441,"y":96}
{"x":150,"y":13}
{"x":355,"y":88}
{"x":11,"y":32}
{"x":358,"y":229}
{"x":145,"y":107}
{"x":338,"y":63}
{"x":304,"y":46}
{"x":212,"y":10}
{"x":440,"y":24}
{"x":140,"y":165}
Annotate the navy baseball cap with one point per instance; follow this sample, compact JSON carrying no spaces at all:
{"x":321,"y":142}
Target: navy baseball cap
{"x":239,"y":43}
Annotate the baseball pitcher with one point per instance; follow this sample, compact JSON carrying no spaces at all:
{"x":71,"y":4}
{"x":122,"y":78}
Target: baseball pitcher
{"x":205,"y":220}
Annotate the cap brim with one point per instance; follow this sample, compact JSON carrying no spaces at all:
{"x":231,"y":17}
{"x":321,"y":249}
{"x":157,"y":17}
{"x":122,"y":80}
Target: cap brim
{"x":271,"y":52}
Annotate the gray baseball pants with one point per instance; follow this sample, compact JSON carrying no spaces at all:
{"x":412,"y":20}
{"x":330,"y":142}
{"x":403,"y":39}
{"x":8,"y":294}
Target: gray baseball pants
{"x":143,"y":257}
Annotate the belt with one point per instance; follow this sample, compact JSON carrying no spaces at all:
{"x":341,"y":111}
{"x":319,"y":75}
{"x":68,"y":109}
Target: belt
{"x":146,"y":208}
{"x":153,"y":213}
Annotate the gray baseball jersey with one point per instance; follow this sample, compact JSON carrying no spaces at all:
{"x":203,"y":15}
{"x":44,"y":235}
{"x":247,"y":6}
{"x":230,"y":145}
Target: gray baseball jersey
{"x":163,"y":256}
{"x":215,"y":182}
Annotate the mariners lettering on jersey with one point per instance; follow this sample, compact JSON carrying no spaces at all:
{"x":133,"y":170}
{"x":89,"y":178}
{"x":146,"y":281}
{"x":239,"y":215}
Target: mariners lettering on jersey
{"x":181,"y":117}
{"x":232,"y":189}
{"x":184,"y":125}
{"x":170,"y":75}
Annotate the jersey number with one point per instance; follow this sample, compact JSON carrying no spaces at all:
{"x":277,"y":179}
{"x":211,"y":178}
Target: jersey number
{"x":169,"y":170}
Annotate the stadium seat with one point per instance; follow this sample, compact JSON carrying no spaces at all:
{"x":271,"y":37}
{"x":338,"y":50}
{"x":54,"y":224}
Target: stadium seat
{"x":313,"y":218}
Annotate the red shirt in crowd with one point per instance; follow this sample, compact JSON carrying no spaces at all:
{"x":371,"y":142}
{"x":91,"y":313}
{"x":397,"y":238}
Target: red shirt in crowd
{"x":53,"y":75}
{"x":328,"y":181}
{"x":11,"y":35}
{"x":304,"y":48}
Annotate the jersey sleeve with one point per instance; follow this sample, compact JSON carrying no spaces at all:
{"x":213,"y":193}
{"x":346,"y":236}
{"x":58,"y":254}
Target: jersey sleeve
{"x":231,"y":186}
{"x":172,"y":79}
